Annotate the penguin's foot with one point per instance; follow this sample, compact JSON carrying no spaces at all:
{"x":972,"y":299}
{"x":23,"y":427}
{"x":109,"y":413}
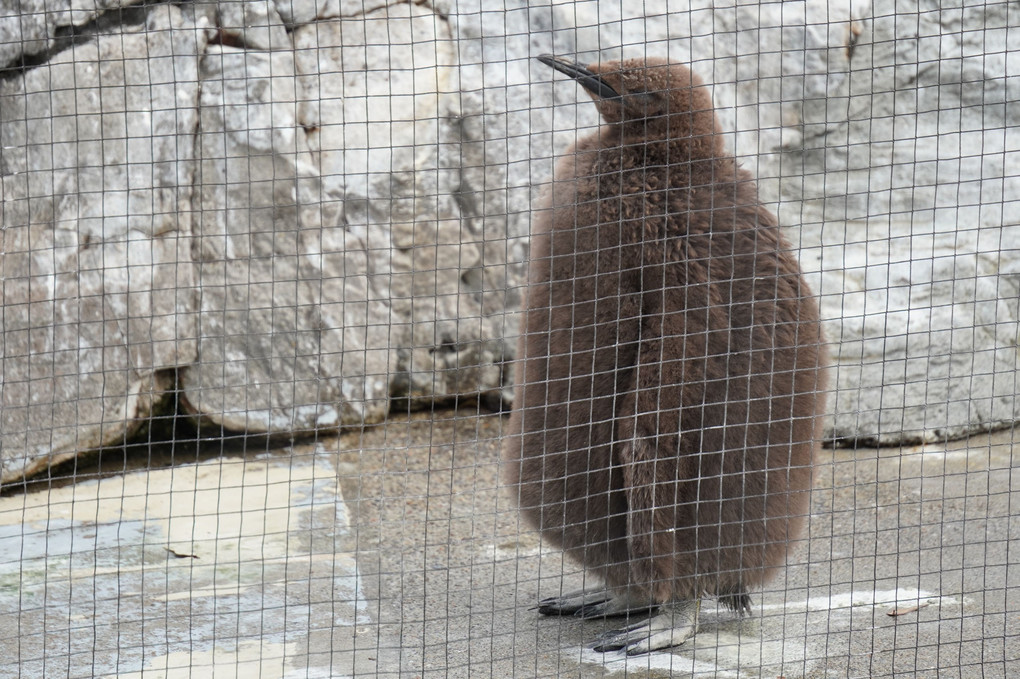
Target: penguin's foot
{"x":599,"y":603}
{"x":675,"y":623}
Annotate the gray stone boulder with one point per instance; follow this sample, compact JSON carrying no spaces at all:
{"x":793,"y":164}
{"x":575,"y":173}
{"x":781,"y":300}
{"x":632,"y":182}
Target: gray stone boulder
{"x":290,"y":213}
{"x":99,"y":288}
{"x":906,"y":181}
{"x":289,"y":222}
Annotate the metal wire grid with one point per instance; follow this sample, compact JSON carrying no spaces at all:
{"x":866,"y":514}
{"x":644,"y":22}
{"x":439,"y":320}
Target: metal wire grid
{"x":179,"y":547}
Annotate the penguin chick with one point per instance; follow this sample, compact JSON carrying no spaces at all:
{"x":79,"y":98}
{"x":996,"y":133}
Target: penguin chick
{"x":670,"y":386}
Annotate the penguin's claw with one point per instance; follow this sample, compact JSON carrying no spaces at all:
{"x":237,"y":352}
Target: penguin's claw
{"x":573,"y":602}
{"x":589,"y":604}
{"x":621,"y":604}
{"x":673,"y":625}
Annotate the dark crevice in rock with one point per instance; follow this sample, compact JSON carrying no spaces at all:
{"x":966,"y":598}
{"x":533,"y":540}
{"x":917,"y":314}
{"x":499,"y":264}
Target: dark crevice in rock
{"x":168,"y":438}
{"x":66,"y":37}
{"x":852,"y":39}
{"x":171,"y":434}
{"x":228,"y":39}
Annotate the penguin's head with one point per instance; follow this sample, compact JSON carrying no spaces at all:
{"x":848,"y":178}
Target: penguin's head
{"x":656,"y":97}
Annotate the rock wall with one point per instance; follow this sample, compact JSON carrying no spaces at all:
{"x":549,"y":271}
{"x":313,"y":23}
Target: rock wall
{"x":292,"y":212}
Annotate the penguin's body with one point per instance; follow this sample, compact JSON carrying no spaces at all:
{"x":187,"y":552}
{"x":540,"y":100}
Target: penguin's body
{"x":669,"y":386}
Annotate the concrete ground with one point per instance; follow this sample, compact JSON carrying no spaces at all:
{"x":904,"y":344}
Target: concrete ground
{"x":393,"y":552}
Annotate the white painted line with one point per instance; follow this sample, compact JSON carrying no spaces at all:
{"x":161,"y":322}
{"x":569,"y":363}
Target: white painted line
{"x":887,"y":597}
{"x":618,"y":661}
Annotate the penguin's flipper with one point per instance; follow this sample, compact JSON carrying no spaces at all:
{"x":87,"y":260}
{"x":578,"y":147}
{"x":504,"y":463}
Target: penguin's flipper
{"x":675,"y":623}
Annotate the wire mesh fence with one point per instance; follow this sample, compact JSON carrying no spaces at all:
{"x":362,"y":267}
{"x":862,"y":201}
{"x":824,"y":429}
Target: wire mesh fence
{"x":268,"y":269}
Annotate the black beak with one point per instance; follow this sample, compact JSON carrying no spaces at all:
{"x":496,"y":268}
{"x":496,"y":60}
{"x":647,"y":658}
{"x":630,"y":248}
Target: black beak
{"x":585,"y":78}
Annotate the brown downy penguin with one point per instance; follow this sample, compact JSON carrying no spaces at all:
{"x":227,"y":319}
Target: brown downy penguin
{"x":670,"y":386}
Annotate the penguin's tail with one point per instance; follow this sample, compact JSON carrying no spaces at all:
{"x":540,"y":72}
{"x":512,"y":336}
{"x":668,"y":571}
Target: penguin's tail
{"x":738,"y":601}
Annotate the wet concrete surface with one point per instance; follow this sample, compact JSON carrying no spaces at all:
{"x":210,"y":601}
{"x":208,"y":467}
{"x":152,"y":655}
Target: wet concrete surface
{"x":394,"y":552}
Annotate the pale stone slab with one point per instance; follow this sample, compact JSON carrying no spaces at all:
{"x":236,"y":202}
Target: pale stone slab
{"x":393,"y":147}
{"x":907,"y":180}
{"x":286,"y":330}
{"x":231,"y":565}
{"x":98,"y":288}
